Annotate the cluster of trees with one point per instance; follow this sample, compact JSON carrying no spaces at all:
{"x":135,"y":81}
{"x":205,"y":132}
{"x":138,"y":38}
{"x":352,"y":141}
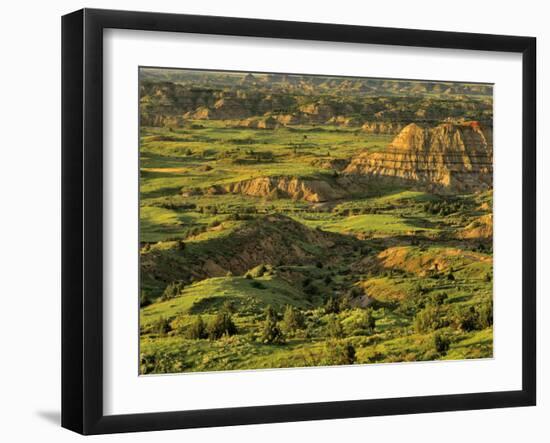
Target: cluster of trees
{"x":221,"y":325}
{"x":346,"y":212}
{"x":272,"y":330}
{"x":474,"y":318}
{"x":339,"y":352}
{"x":175,"y":205}
{"x":172,"y":290}
{"x":464,"y":318}
{"x":248,"y":156}
{"x":444,"y":207}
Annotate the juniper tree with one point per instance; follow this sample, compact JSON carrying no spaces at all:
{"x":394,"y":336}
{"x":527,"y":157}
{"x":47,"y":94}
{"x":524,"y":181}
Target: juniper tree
{"x":197,"y":330}
{"x":293,"y":319}
{"x":334,"y":327}
{"x":271,"y":333}
{"x":222,"y":325}
{"x":332,"y":306}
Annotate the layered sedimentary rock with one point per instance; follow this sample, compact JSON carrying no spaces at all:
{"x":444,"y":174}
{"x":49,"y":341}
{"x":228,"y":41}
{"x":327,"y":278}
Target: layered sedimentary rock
{"x":382,"y":127}
{"x":275,"y":187}
{"x":224,"y":108}
{"x":450,"y":156}
{"x":480,"y":228}
{"x":258,"y":123}
{"x":342,"y":120}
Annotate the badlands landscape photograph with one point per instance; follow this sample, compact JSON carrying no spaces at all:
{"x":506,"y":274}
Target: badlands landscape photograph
{"x":293,"y":220}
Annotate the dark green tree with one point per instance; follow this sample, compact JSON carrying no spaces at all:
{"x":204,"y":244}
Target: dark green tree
{"x":332,"y":306}
{"x":467,"y":319}
{"x":172,"y":290}
{"x":346,"y":302}
{"x":428,"y":319}
{"x":485,"y":315}
{"x":367,"y":321}
{"x":222,"y":325}
{"x":271,"y":333}
{"x":144,"y":299}
{"x":197,"y":330}
{"x":162,"y":326}
{"x":338,"y":352}
{"x":334,"y":327}
{"x":441,"y":343}
{"x":293,"y":320}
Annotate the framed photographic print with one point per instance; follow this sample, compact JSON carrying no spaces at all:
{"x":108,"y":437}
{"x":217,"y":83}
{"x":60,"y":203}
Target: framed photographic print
{"x":270,"y":221}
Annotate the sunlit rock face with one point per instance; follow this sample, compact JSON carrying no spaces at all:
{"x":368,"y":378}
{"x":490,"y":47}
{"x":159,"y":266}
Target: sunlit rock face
{"x":450,"y":156}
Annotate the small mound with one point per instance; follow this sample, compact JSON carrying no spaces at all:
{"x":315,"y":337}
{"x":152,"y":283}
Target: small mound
{"x":420,"y":262}
{"x":480,"y":228}
{"x":209,"y":295}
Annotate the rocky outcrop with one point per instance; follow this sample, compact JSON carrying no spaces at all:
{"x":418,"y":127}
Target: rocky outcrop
{"x":317,"y":111}
{"x":342,"y":120}
{"x":310,"y":190}
{"x":311,"y":100}
{"x":223,"y":109}
{"x":258,"y":123}
{"x":451,"y":156}
{"x":288,"y":119}
{"x":422,"y":263}
{"x":481,"y":229}
{"x":336,"y":164}
{"x":382,"y":127}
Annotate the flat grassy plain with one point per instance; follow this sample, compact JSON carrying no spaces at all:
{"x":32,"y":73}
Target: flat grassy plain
{"x":373,"y":278}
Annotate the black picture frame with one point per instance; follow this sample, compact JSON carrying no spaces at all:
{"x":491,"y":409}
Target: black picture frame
{"x":82,"y":218}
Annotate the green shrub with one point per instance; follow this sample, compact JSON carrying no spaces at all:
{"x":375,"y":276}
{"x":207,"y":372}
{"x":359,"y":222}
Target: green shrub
{"x":485,"y":315}
{"x":466,"y":319}
{"x":346,"y":302}
{"x":441,"y":343}
{"x":162,"y":326}
{"x":293,"y":319}
{"x":257,"y":284}
{"x":339,"y":353}
{"x":221,"y":325}
{"x":271,"y":333}
{"x":228,"y":306}
{"x":428,"y":319}
{"x":439,"y":299}
{"x":334,"y":327}
{"x":311,"y":289}
{"x":471,"y":319}
{"x":172,"y":290}
{"x":366,"y":321}
{"x":144,"y":299}
{"x":197,"y":329}
{"x":332,"y":306}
